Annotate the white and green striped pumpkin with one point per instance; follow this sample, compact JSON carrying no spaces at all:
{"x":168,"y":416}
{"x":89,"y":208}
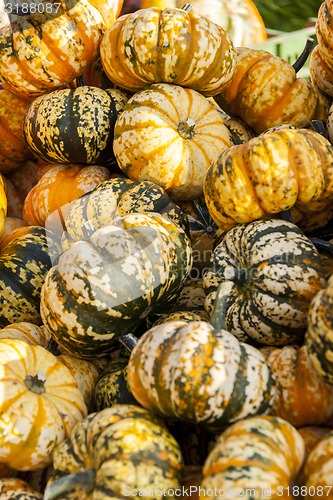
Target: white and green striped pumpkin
{"x":102,"y":286}
{"x":117,"y":197}
{"x":271,"y":271}
{"x":199,"y":374}
{"x":114,"y":452}
{"x":259,"y":456}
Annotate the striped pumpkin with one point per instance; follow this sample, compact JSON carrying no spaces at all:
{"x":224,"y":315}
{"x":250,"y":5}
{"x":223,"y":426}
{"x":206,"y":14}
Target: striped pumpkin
{"x":17,"y":489}
{"x":261,"y":456}
{"x":48,"y":51}
{"x":74,"y":125}
{"x":117,"y":197}
{"x":168,"y":37}
{"x":271,"y":271}
{"x":113,"y":452}
{"x":101,"y":287}
{"x":40,"y":404}
{"x":265,"y":92}
{"x":170,"y":135}
{"x":272,"y":172}
{"x":26,"y":255}
{"x":319,"y":334}
{"x":60,"y":185}
{"x":199,"y":375}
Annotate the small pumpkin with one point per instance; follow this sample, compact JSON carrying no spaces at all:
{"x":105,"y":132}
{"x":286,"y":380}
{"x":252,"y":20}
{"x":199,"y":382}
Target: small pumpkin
{"x":40,"y":403}
{"x":13,"y":488}
{"x":312,"y":435}
{"x":60,"y":185}
{"x":273,"y":172}
{"x":74,"y":125}
{"x":101,"y":287}
{"x":14,"y":150}
{"x":169,"y":135}
{"x":318,"y":338}
{"x":27,"y":332}
{"x":169,"y":36}
{"x":117,"y":450}
{"x":268,"y":451}
{"x":271,"y":272}
{"x":52,"y":46}
{"x":199,"y":373}
{"x":265,"y":91}
{"x":112,"y":387}
{"x":26,"y":254}
{"x":303,"y":398}
{"x":317,"y":473}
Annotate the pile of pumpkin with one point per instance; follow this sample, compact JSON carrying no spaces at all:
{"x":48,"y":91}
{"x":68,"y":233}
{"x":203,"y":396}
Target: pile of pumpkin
{"x":166,"y":282}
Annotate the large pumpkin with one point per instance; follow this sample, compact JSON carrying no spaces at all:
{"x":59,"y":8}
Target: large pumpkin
{"x":74,"y":125}
{"x":13,"y":147}
{"x":26,"y":254}
{"x":180,"y":48}
{"x":271,"y":271}
{"x":265,"y":92}
{"x":170,"y":135}
{"x":275,"y":171}
{"x":49,"y":48}
{"x":60,"y":185}
{"x":261,"y":456}
{"x":39,"y":404}
{"x":101,"y":287}
{"x":199,"y":374}
{"x":115,"y":452}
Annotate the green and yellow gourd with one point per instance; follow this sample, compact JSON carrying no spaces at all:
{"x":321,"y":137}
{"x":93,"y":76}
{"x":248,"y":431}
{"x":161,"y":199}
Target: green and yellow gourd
{"x":74,"y":125}
{"x":271,"y":271}
{"x":117,"y":197}
{"x":262,"y":455}
{"x":113,"y":452}
{"x":102,"y":286}
{"x":199,"y":373}
{"x":26,"y":255}
{"x":112,"y":387}
{"x":17,"y":489}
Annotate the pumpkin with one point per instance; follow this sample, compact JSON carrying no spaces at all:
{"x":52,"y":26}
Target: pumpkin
{"x":95,"y":75}
{"x":318,"y":338}
{"x":303,"y":398}
{"x":321,"y":59}
{"x":199,"y":373}
{"x":261,"y":456}
{"x":117,"y":450}
{"x":271,"y":271}
{"x":13,"y":488}
{"x":49,"y":48}
{"x":239,"y":130}
{"x":101,"y":287}
{"x":27,"y":332}
{"x":312,"y":435}
{"x":117,"y":197}
{"x":317,"y":473}
{"x":26,"y":254}
{"x":40,"y":403}
{"x":169,"y":135}
{"x":13,"y":147}
{"x":266,"y":92}
{"x":112,"y":386}
{"x":60,"y":185}
{"x":180,"y":48}
{"x":74,"y":125}
{"x":271,"y":173}
{"x":3,"y":205}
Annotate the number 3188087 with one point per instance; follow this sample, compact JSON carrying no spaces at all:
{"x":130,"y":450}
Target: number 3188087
{"x":32,"y":8}
{"x":304,"y":491}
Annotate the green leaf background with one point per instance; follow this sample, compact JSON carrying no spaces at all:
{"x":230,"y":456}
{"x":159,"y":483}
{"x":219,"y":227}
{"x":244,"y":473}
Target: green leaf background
{"x":287,"y":15}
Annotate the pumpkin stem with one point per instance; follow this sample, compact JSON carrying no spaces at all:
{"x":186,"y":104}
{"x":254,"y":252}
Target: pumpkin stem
{"x":187,"y":7}
{"x":129,"y":341}
{"x":217,"y":318}
{"x":80,"y":81}
{"x":319,"y":127}
{"x":61,"y":486}
{"x":322,"y":246}
{"x":186,"y":129}
{"x":35,"y":384}
{"x":300,"y":61}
